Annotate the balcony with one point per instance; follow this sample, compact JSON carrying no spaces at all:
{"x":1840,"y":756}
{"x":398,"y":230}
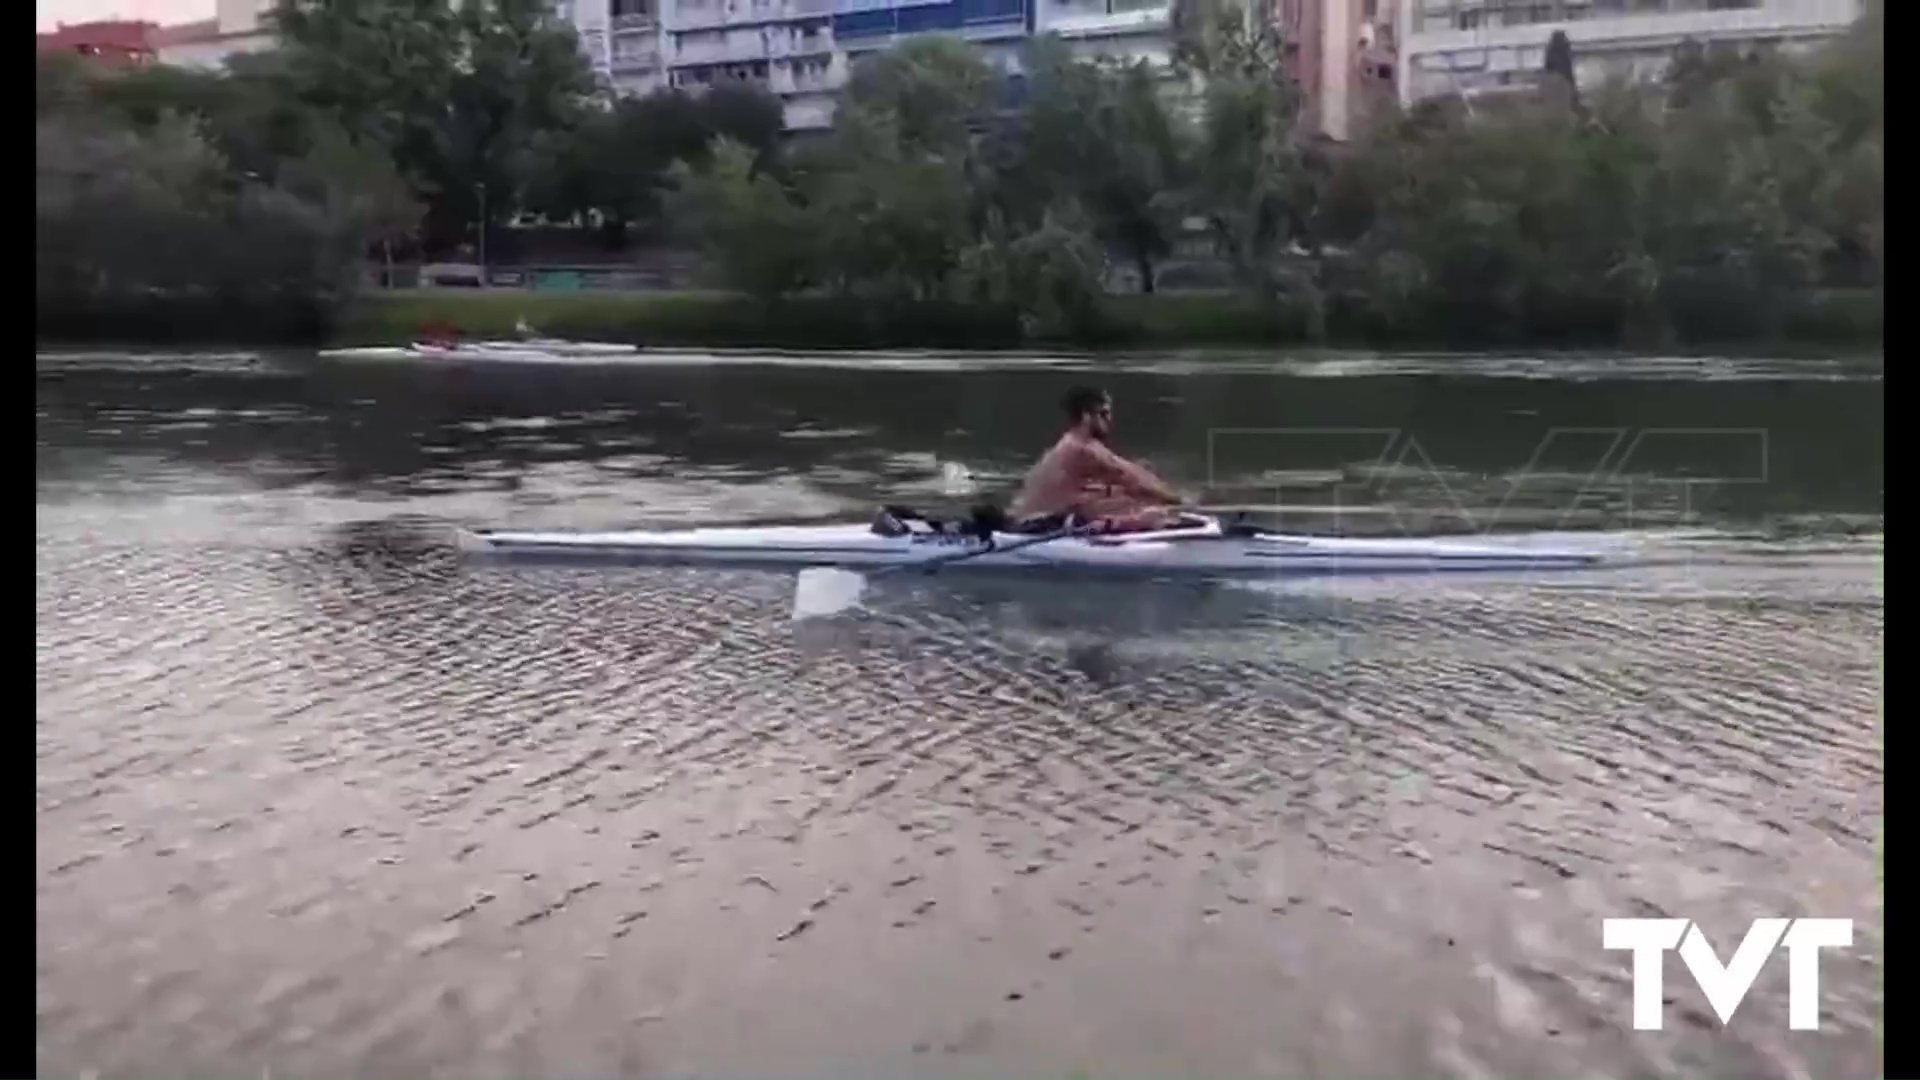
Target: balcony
{"x":706,"y":14}
{"x":640,"y":21}
{"x":626,"y":63}
{"x":769,"y":43}
{"x":726,"y":52}
{"x":795,"y":80}
{"x":1114,"y":23}
{"x":1463,"y":27}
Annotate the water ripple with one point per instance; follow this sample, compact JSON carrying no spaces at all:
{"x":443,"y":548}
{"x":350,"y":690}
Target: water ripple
{"x":363,"y":741}
{"x":315,"y":797}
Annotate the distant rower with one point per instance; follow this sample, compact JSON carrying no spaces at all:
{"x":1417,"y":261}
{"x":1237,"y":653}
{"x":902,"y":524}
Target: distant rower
{"x":1082,"y":479}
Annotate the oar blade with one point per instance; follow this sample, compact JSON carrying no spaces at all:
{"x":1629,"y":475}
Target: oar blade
{"x":824,"y":591}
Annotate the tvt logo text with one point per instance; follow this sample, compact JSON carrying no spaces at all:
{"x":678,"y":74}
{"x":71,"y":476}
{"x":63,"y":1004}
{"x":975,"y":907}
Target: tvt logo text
{"x":1726,"y":985}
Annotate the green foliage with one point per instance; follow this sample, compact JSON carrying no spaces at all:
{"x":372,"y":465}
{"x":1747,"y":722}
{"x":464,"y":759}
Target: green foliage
{"x":1846,"y":319}
{"x":881,"y":208}
{"x":1715,"y":204}
{"x":761,"y":241}
{"x":1100,"y":135}
{"x":1706,"y":207}
{"x":457,"y":92}
{"x":928,"y":94}
{"x":144,"y":217}
{"x":613,"y":165}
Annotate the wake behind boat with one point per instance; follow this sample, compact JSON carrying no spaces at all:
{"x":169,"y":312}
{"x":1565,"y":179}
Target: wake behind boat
{"x":1198,"y":546}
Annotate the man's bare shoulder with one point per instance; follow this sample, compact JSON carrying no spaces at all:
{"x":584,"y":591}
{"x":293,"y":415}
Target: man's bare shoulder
{"x":1095,"y":452}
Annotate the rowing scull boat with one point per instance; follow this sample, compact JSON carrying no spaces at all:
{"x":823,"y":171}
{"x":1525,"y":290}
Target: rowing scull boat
{"x":533,"y":350}
{"x":1200,"y":546}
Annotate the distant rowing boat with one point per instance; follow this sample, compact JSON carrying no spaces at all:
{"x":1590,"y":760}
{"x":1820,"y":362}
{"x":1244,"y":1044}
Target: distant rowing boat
{"x":1201,"y":546}
{"x":559,"y":347}
{"x":531,"y":350}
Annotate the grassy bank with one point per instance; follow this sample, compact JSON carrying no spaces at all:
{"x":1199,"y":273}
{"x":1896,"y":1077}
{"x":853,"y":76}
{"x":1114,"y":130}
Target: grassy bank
{"x":1836,"y":319}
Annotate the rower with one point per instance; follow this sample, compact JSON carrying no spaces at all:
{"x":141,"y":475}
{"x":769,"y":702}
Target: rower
{"x":437,"y":332}
{"x":1081,"y":480}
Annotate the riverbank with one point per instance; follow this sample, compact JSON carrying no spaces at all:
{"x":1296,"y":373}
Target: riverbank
{"x":1824,"y":321}
{"x":1827,"y":322}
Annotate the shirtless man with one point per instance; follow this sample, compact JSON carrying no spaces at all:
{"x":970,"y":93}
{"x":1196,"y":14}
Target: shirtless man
{"x":1082,"y":477}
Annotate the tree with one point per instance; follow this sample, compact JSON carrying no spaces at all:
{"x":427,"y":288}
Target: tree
{"x":894,"y":185}
{"x":115,"y":207}
{"x":59,"y":84}
{"x":932,"y":93}
{"x":1251,"y":182}
{"x":614,"y":163}
{"x":1101,"y":135}
{"x":764,"y":243}
{"x":1559,"y":69}
{"x":1559,"y":58}
{"x":457,"y":94}
{"x":1051,"y":273}
{"x":118,"y":203}
{"x":894,"y":218}
{"x":745,"y":112}
{"x":1710,"y":204}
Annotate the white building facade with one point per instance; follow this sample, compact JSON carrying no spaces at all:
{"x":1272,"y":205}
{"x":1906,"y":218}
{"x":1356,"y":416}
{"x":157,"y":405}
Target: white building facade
{"x":802,"y":50}
{"x":1477,"y":46}
{"x":784,"y":45}
{"x":1121,"y":29}
{"x":238,"y":26}
{"x":621,"y":40}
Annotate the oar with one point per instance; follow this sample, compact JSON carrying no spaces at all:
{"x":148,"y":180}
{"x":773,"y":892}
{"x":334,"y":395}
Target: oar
{"x":821,"y":591}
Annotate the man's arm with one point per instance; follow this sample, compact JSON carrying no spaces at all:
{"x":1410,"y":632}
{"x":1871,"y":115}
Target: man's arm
{"x":1137,"y":479}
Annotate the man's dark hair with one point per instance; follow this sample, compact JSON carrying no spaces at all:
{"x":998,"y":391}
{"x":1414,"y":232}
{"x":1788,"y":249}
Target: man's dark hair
{"x":1082,"y":400}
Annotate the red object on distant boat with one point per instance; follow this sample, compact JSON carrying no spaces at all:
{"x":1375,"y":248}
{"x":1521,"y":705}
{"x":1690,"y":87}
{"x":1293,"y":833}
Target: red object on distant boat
{"x":116,"y":42}
{"x":439,"y":332}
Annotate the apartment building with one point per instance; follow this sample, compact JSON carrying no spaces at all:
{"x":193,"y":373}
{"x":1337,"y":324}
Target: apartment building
{"x":1477,"y":46}
{"x":238,"y":26}
{"x":1341,"y":51}
{"x":785,"y":45}
{"x":621,"y":40}
{"x":998,"y":27}
{"x":1121,"y":29}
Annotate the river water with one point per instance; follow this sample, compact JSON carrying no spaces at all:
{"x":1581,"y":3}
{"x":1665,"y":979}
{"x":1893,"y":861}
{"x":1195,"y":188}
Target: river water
{"x":317,"y":798}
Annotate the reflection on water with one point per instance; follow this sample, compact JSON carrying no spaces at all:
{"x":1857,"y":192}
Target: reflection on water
{"x":317,"y":797}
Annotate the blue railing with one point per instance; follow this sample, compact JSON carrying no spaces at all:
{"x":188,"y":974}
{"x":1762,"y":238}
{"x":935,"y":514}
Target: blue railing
{"x":887,"y":18}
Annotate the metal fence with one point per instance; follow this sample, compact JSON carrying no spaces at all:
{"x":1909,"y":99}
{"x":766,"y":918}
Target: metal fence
{"x":617,"y":277}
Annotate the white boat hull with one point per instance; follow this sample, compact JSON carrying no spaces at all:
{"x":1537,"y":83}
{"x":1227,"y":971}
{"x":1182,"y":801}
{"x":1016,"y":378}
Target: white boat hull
{"x":559,"y":347}
{"x":537,"y":350}
{"x":1201,"y":550}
